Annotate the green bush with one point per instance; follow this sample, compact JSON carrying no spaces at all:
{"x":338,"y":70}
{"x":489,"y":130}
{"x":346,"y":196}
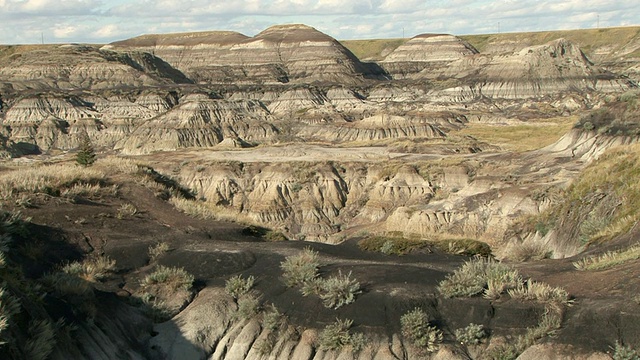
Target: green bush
{"x":479,"y":275}
{"x":470,"y":335}
{"x":415,"y":326}
{"x":273,"y":319}
{"x":248,"y":306}
{"x":336,"y":336}
{"x":340,"y":290}
{"x":622,"y":352}
{"x":238,"y":286}
{"x":301,"y":268}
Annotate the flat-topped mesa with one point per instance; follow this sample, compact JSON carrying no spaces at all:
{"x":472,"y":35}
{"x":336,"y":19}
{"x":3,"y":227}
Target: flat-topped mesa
{"x":425,"y":51}
{"x":279,"y":54}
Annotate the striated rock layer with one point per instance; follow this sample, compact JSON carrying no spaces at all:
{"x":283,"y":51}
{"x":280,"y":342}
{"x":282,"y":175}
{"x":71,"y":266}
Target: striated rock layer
{"x":279,"y":54}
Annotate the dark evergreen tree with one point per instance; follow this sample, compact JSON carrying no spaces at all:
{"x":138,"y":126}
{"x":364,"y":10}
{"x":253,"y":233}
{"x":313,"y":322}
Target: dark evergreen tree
{"x":86,"y":153}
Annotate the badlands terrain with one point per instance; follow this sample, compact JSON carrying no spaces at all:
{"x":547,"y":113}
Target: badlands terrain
{"x":290,"y":196}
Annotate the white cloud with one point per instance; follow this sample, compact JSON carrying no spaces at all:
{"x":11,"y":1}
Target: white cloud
{"x":109,"y":20}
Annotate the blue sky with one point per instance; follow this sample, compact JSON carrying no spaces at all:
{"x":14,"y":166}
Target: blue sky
{"x":102,"y":21}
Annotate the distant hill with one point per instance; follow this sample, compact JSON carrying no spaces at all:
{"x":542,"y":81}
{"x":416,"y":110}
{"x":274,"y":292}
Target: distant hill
{"x":600,"y":45}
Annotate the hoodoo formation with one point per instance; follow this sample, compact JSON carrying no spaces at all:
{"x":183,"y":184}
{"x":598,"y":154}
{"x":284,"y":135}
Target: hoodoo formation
{"x":457,"y":198}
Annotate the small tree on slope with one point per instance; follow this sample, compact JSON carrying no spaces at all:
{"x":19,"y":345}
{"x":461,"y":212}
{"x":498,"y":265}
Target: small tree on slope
{"x":86,"y":153}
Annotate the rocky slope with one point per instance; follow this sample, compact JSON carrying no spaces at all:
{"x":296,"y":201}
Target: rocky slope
{"x":70,"y":67}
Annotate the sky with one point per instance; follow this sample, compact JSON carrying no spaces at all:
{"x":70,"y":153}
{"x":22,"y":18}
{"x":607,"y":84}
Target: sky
{"x":103,"y":21}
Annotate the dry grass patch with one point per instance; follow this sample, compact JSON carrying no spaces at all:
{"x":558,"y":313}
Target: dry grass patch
{"x":522,"y":137}
{"x":374,"y":49}
{"x":47,"y":179}
{"x":609,"y":259}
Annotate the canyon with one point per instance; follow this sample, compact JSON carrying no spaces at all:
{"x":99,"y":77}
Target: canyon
{"x":327,"y":143}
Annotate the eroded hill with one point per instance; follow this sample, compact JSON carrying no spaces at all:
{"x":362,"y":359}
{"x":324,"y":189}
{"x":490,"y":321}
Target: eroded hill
{"x":228,"y":155}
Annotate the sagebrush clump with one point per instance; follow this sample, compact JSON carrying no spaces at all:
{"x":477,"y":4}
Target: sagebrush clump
{"x":415,"y":326}
{"x":237,"y":286}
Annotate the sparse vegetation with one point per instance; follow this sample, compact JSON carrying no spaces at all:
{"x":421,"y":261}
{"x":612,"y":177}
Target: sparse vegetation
{"x":480,"y":275}
{"x":466,"y":247}
{"x":391,"y":245}
{"x":528,"y":252}
{"x":521,"y":137}
{"x":170,"y":277}
{"x":248,"y":306}
{"x":602,"y":203}
{"x":624,"y":352}
{"x":531,"y":290}
{"x":609,"y":259}
{"x":158,"y":250}
{"x":300,"y":269}
{"x":415,"y":326}
{"x":237,"y":286}
{"x":126,"y":210}
{"x":92,"y":269}
{"x":471,"y":335}
{"x":336,"y":336}
{"x":337,"y":291}
{"x":46,"y":179}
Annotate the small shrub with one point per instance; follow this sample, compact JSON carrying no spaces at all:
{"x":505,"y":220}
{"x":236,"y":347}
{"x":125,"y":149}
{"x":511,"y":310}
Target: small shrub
{"x":92,"y":269}
{"x":312,"y":287}
{"x":528,"y":252}
{"x":340,"y":290}
{"x":387,"y":247}
{"x":622,"y":352}
{"x":248,"y":306}
{"x":273,"y":319}
{"x":471,"y":335}
{"x":173,"y":278}
{"x":238,"y":286}
{"x":336,"y":336}
{"x":476,"y":275}
{"x":301,"y":268}
{"x":158,"y":250}
{"x":157,"y":309}
{"x":500,"y":278}
{"x":42,"y":340}
{"x":126,"y":210}
{"x":541,"y":292}
{"x":68,"y":285}
{"x":415,"y":326}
